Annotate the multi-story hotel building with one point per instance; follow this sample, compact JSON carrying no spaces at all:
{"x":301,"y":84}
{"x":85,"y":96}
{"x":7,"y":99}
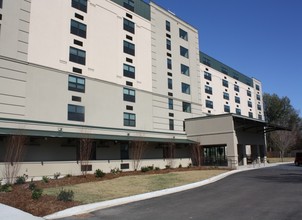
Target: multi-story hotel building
{"x":116,"y":72}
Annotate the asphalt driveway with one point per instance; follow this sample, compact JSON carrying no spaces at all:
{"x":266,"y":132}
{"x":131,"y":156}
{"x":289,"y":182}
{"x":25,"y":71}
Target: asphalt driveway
{"x":270,"y":193}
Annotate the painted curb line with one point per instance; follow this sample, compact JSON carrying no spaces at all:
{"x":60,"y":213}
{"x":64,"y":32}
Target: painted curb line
{"x":82,"y":209}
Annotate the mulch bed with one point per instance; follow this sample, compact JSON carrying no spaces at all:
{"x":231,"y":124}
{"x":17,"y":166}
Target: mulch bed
{"x":20,"y":197}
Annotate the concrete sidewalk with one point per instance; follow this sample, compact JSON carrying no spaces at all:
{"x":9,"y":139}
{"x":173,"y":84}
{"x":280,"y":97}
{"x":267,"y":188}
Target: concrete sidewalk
{"x":8,"y":212}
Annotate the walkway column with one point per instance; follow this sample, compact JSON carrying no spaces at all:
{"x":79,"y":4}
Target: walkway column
{"x":244,"y":155}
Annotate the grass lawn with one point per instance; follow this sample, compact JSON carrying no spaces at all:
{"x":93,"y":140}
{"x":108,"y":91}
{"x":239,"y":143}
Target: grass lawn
{"x":132,"y":185}
{"x":278,"y":160}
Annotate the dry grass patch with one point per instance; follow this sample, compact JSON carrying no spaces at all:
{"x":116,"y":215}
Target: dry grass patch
{"x":279,"y":160}
{"x":132,"y":185}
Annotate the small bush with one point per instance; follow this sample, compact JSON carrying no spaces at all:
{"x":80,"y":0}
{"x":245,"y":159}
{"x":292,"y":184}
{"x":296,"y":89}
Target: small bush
{"x":146,"y":169}
{"x":32,"y":186}
{"x":157,"y":168}
{"x":56,"y":175}
{"x":36,"y":193}
{"x":6,"y":188}
{"x":189,"y":165}
{"x":99,"y":173}
{"x":180,"y":166}
{"x":68,"y":175}
{"x":45,"y":179}
{"x":21,"y":179}
{"x":115,"y":171}
{"x":168,"y":166}
{"x":65,"y":195}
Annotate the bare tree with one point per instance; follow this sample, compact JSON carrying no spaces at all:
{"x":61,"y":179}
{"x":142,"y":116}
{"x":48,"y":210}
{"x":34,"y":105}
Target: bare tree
{"x":137,"y":150}
{"x":196,"y":154}
{"x":169,"y":154}
{"x":85,"y":154}
{"x":284,"y":140}
{"x":15,"y":149}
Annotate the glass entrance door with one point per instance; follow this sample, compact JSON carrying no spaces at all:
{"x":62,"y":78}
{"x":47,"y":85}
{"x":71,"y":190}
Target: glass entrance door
{"x":215,"y":155}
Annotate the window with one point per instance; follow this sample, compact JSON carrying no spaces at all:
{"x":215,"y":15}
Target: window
{"x":76,"y":84}
{"x":129,"y":95}
{"x":186,"y":107}
{"x":129,"y":26}
{"x":208,"y":76}
{"x":169,"y":64}
{"x":76,"y":113}
{"x":128,"y":15}
{"x":77,"y":28}
{"x":129,"y":71}
{"x":250,"y":114}
{"x":129,"y":83}
{"x":226,"y":96}
{"x":209,"y":104}
{"x":129,"y":119}
{"x":225,"y":83}
{"x":76,"y":98}
{"x":170,"y":104}
{"x":259,"y":107}
{"x":185,"y":88}
{"x":168,"y":35}
{"x":129,"y":4}
{"x":224,"y":70}
{"x":260,"y":117}
{"x":170,"y":83}
{"x":257,"y":87}
{"x":184,"y":52}
{"x":208,"y":89}
{"x":238,"y":111}
{"x":236,"y":88}
{"x":77,"y":55}
{"x":77,"y":42}
{"x":183,"y":34}
{"x":79,"y":4}
{"x":226,"y":108}
{"x":249,"y":93}
{"x":171,"y":114}
{"x":168,"y":43}
{"x":185,"y":69}
{"x":249,"y":104}
{"x":237,"y":99}
{"x":129,"y":48}
{"x":258,"y":97}
{"x":124,"y":151}
{"x":168,"y":26}
{"x":171,"y":124}
{"x":206,"y":61}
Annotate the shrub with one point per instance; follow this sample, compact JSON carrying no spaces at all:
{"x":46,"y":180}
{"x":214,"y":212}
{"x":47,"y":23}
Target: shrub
{"x":56,"y":175}
{"x":168,"y":166}
{"x":32,"y":186}
{"x":157,"y":168}
{"x":180,"y":166}
{"x":21,"y":179}
{"x":65,"y":195}
{"x":147,"y":168}
{"x":36,"y":193}
{"x":68,"y":175}
{"x":189,"y":165}
{"x":6,"y":188}
{"x":99,"y":173}
{"x":115,"y":171}
{"x":45,"y":179}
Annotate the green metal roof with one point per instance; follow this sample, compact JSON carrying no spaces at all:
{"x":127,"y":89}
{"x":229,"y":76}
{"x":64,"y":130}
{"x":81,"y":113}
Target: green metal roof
{"x":221,"y":67}
{"x":140,"y":7}
{"x":58,"y":134}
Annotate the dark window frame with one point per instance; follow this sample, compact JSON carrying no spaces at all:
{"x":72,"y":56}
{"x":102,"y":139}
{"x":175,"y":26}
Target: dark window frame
{"x":76,"y":55}
{"x":129,"y":48}
{"x":226,"y":108}
{"x":170,"y":104}
{"x":209,"y":104}
{"x":129,"y":71}
{"x":185,"y":70}
{"x":76,"y":113}
{"x":225,"y":83}
{"x":170,"y":83}
{"x":183,"y":34}
{"x":184,"y":52}
{"x":78,"y":28}
{"x":226,"y":96}
{"x":80,"y":5}
{"x":186,"y":107}
{"x":208,"y":76}
{"x":129,"y":95}
{"x":168,"y":26}
{"x":129,"y":4}
{"x":129,"y":26}
{"x":208,"y":89}
{"x":171,"y":124}
{"x":76,"y":84}
{"x":185,"y":88}
{"x":129,"y":119}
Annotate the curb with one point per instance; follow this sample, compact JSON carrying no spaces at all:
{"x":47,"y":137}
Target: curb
{"x":82,"y":209}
